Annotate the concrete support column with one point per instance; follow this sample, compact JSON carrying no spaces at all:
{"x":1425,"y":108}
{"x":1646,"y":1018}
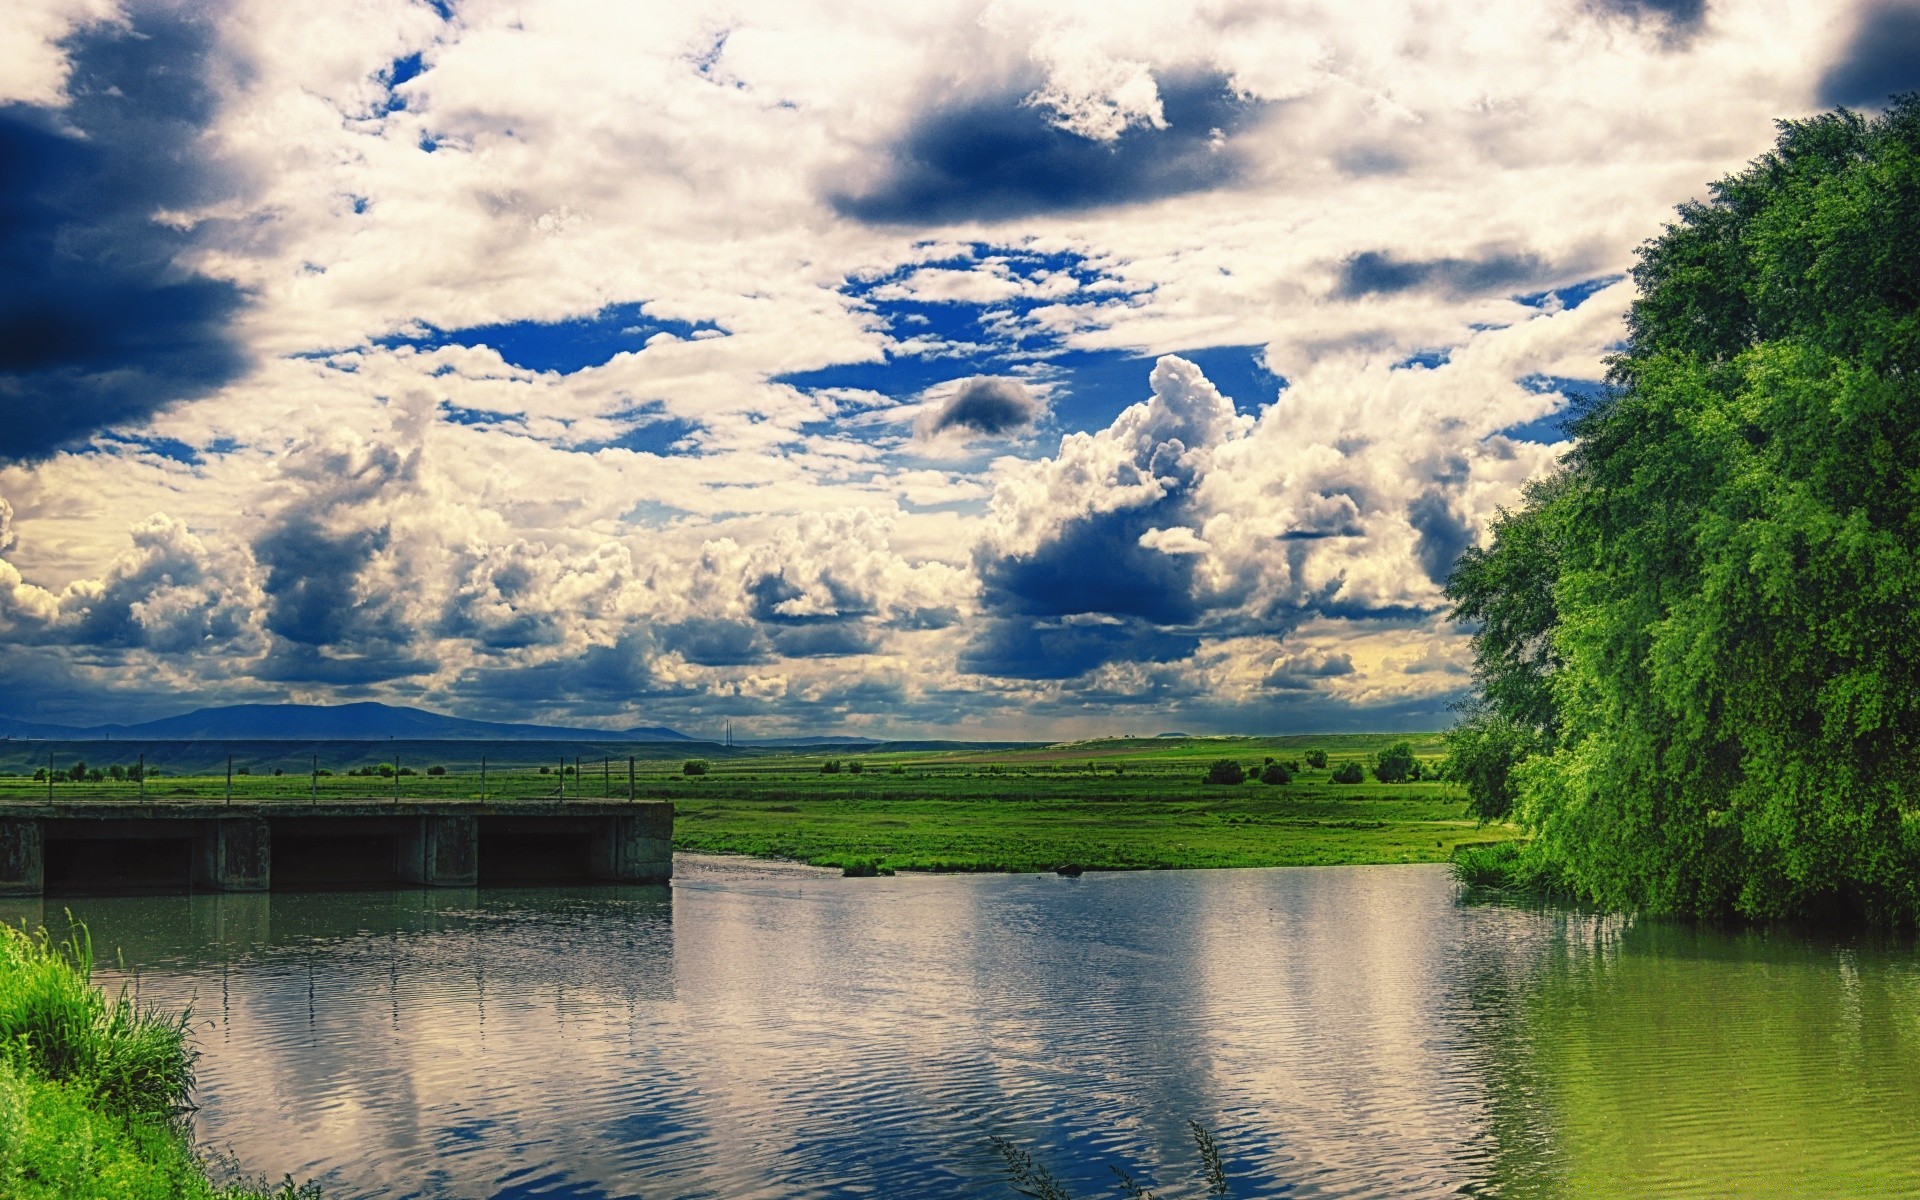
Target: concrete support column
{"x":236,"y":855}
{"x":450,"y":851}
{"x":22,"y":857}
{"x":637,"y":848}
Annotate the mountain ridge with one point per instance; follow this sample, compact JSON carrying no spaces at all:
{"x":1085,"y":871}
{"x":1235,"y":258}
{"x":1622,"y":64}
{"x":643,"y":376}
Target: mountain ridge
{"x":360,"y":721}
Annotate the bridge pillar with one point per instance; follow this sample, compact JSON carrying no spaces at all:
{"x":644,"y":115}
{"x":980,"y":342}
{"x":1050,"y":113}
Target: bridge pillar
{"x":449,"y":852}
{"x":635,"y":849}
{"x":236,"y":855}
{"x":22,"y":857}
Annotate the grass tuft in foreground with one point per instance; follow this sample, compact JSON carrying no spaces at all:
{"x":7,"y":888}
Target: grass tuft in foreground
{"x":94,"y":1088}
{"x":1029,"y":1176}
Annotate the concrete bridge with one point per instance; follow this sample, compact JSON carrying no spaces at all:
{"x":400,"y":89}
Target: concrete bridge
{"x":81,"y":847}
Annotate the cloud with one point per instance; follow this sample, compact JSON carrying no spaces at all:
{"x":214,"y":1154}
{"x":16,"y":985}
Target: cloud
{"x":1003,"y":154}
{"x":1443,"y":535}
{"x":985,"y":405}
{"x":103,"y":321}
{"x":1379,"y":272}
{"x":1881,"y":59}
{"x":1677,"y":14}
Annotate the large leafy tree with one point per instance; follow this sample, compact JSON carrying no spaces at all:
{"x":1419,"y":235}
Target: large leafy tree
{"x":1699,"y":643}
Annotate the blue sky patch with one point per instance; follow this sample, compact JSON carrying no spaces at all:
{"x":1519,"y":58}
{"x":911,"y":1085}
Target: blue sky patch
{"x":562,"y":346}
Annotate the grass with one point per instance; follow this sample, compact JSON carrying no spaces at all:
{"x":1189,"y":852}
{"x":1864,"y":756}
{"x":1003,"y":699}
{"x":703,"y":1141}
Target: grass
{"x":1506,"y":867}
{"x":1105,"y":804}
{"x":1127,"y":804}
{"x":93,"y":1088}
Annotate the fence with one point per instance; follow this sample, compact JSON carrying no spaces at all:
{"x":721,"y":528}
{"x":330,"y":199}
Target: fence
{"x":240,"y":781}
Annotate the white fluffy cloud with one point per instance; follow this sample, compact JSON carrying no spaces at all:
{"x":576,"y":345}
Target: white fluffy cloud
{"x":589,"y":341}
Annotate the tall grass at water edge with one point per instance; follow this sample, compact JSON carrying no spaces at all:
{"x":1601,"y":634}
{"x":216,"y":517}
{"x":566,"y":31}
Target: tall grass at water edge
{"x":95,"y":1088}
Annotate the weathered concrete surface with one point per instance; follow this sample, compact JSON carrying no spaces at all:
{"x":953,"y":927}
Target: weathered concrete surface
{"x":435,"y":844}
{"x":642,"y":846}
{"x":452,"y":845}
{"x":235,"y":855}
{"x":22,"y":857}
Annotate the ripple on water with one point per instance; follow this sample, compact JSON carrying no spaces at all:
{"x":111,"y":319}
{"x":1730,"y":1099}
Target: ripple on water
{"x":767,"y":1030}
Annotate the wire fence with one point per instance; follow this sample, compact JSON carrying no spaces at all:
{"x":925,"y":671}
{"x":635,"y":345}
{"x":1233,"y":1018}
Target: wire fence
{"x":237,"y":781}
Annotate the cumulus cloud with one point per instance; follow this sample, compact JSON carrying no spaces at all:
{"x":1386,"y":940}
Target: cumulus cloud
{"x":404,"y":374}
{"x":1014,"y":151}
{"x":984,"y":406}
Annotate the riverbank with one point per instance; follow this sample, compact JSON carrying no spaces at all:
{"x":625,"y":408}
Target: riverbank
{"x":93,"y":1088}
{"x":1111,"y":827}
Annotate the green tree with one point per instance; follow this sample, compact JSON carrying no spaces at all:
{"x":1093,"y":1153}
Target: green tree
{"x":1348,"y":772}
{"x":1276,"y":773}
{"x":1317,"y":759}
{"x":1396,"y":764}
{"x":78,"y":771}
{"x":1698,"y":644}
{"x":694,"y":766}
{"x":1226,"y":771}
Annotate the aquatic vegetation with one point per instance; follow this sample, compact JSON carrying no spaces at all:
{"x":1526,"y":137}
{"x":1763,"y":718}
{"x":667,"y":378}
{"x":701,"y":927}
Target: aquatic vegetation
{"x":1030,"y":1177}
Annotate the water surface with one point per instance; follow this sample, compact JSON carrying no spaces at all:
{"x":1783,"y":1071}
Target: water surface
{"x":761,"y":1030}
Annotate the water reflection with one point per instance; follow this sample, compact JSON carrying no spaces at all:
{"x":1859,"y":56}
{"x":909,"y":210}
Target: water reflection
{"x":764,"y":1030}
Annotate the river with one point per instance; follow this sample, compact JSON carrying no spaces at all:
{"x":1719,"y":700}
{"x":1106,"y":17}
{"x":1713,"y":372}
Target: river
{"x":767,"y":1030}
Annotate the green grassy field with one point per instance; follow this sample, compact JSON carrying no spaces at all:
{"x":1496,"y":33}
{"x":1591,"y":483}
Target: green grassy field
{"x":1126,"y":803}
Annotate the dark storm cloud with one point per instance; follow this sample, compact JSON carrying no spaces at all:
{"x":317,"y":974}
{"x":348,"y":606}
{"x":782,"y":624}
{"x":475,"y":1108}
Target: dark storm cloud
{"x":1377,"y":272}
{"x":98,"y":326}
{"x":825,"y":640}
{"x":1026,"y":649}
{"x":993,"y":156}
{"x":1881,"y":59}
{"x":985,"y":405}
{"x":1443,"y":538}
{"x":312,"y":580}
{"x":1096,"y":566}
{"x":715,"y":642}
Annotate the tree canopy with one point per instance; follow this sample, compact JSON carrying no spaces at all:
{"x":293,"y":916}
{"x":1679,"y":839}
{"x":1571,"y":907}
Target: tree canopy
{"x":1698,"y":643}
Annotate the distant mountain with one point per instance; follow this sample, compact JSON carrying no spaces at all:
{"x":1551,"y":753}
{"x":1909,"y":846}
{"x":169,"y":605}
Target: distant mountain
{"x":787,"y":742}
{"x":330,"y":723}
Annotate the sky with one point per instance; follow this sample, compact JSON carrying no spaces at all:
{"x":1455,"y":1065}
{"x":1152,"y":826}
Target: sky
{"x":975,"y":370}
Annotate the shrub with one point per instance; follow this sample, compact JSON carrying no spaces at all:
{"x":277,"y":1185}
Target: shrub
{"x":96,"y":776}
{"x":1348,"y":772}
{"x":1276,"y":773}
{"x":830,"y":767}
{"x":384,"y":770}
{"x":436,"y":769}
{"x":1396,"y":764}
{"x":408,"y":771}
{"x":277,"y":772}
{"x":694,"y":766}
{"x":243,"y":770}
{"x":546,"y":770}
{"x":855,"y":767}
{"x":327,"y":773}
{"x":40,"y":775}
{"x":117,"y":773}
{"x":78,"y":771}
{"x":1317,"y":759}
{"x":1226,"y":771}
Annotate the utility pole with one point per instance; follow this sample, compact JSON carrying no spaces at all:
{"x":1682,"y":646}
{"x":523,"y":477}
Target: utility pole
{"x":313,"y":780}
{"x":629,"y":777}
{"x":143,"y":774}
{"x":229,"y":779}
{"x":483,"y":777}
{"x":606,"y":779}
{"x":49,"y":777}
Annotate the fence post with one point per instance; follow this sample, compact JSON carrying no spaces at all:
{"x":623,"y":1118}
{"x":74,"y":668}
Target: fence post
{"x":229,"y":779}
{"x":563,"y":777}
{"x":483,"y":778}
{"x":313,"y":788}
{"x":396,"y":777}
{"x":629,"y":777}
{"x":143,"y":774}
{"x":49,"y":777}
{"x":606,"y":778}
